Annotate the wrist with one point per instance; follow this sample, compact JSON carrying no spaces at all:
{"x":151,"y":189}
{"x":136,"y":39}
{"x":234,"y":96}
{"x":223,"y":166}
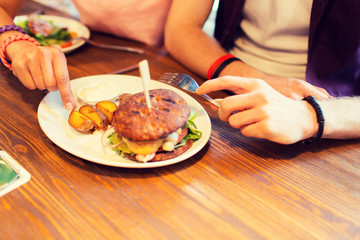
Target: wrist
{"x":5,"y":35}
{"x":9,"y":41}
{"x":241,"y":69}
{"x":319,"y":120}
{"x":335,"y":125}
{"x":12,"y":50}
{"x":310,"y":124}
{"x":9,"y":30}
{"x":219,"y":64}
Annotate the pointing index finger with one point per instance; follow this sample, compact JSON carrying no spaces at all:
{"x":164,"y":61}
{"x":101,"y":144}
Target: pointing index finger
{"x":232,"y":83}
{"x":63,"y":82}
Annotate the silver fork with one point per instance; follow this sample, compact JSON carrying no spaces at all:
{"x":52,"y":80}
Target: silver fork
{"x":109,"y":46}
{"x":186,"y":82}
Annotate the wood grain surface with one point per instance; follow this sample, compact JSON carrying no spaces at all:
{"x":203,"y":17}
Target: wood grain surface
{"x":234,"y":188}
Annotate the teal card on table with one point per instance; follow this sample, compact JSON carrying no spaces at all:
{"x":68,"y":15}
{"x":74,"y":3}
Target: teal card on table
{"x":12,"y":174}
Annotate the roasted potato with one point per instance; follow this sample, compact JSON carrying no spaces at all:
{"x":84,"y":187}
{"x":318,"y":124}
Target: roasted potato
{"x":80,"y":122}
{"x":107,"y":108}
{"x":95,"y":115}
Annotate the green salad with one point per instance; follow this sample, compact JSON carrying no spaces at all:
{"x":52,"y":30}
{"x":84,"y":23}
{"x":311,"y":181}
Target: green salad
{"x":47,"y":33}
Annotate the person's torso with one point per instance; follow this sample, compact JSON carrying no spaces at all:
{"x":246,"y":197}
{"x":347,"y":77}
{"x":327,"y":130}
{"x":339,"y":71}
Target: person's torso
{"x":139,"y":20}
{"x":275,"y":36}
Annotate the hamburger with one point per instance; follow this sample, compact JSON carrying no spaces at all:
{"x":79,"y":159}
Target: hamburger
{"x":162,"y":132}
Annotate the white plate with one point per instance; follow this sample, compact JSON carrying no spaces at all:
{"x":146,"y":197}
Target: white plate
{"x":71,"y":24}
{"x":53,"y":120}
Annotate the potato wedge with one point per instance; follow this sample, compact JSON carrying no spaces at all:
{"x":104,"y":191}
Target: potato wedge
{"x":95,"y":115}
{"x":107,"y":108}
{"x":80,"y":122}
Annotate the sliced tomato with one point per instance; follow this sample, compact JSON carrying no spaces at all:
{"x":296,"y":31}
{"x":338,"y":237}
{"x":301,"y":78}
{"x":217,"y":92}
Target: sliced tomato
{"x":65,"y":45}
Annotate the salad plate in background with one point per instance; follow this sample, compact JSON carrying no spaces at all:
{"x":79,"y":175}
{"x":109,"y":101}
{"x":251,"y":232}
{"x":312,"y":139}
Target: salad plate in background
{"x":74,"y":28}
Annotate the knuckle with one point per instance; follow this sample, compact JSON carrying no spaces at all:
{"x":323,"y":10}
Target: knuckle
{"x":51,"y":86}
{"x":262,"y":97}
{"x":267,"y":129}
{"x":225,"y":102}
{"x":18,"y":66}
{"x":258,"y":82}
{"x":298,"y":84}
{"x":58,"y":53}
{"x":244,"y":131}
{"x":223,"y":80}
{"x":234,"y":123}
{"x":62,"y":78}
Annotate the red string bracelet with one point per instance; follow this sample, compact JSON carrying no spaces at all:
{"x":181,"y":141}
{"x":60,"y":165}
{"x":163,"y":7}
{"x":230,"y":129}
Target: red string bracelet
{"x":220,"y":64}
{"x":217,"y":63}
{"x":11,"y":39}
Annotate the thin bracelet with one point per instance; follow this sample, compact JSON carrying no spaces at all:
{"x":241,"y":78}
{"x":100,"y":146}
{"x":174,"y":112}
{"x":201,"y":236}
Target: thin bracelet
{"x":11,"y":39}
{"x":223,"y":65}
{"x":11,"y":27}
{"x":217,"y":63}
{"x":320,"y":119}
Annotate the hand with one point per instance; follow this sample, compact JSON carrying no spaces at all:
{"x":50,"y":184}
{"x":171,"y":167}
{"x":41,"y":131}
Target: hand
{"x":41,"y":68}
{"x":290,"y":87}
{"x":295,"y":88}
{"x":262,"y":112}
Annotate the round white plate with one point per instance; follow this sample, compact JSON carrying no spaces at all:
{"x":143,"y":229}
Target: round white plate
{"x":53,"y":120}
{"x":71,"y":24}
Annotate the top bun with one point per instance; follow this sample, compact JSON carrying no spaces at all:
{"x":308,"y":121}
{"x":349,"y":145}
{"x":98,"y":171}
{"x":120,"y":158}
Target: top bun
{"x":133,"y":120}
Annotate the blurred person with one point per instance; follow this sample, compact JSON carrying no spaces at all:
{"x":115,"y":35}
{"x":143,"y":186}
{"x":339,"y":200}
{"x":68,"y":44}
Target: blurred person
{"x":45,"y":67}
{"x":139,"y":20}
{"x":36,"y":67}
{"x":271,"y":55}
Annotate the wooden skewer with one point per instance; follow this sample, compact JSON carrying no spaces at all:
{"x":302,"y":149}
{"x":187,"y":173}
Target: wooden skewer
{"x":145,"y":75}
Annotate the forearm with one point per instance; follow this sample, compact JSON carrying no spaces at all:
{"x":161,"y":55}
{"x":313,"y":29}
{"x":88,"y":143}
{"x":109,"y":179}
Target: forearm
{"x":241,"y":69}
{"x":198,"y":51}
{"x":5,"y":19}
{"x":192,"y":46}
{"x":8,"y":10}
{"x":342,"y":117}
{"x":194,"y":49}
{"x":185,"y":39}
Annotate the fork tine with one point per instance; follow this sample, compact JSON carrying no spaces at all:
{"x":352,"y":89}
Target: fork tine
{"x":173,"y":78}
{"x":186,"y":82}
{"x":169,"y":75}
{"x":169,"y":78}
{"x":172,"y":74}
{"x":165,"y":77}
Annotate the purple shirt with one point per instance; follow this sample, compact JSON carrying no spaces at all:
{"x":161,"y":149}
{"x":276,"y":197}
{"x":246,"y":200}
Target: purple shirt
{"x":334,"y":42}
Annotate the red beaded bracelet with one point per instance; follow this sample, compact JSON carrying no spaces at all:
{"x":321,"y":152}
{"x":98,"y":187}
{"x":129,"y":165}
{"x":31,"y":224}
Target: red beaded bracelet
{"x":11,"y":39}
{"x":220,"y":64}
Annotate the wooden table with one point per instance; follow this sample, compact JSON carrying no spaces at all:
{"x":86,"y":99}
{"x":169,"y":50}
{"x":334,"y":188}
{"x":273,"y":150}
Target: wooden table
{"x":234,"y":188}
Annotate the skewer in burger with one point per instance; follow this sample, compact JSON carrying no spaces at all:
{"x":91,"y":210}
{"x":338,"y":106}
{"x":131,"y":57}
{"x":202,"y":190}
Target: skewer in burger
{"x":162,"y":132}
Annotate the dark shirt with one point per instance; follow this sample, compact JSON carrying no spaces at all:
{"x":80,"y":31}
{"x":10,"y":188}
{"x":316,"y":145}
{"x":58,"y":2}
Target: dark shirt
{"x":334,"y":42}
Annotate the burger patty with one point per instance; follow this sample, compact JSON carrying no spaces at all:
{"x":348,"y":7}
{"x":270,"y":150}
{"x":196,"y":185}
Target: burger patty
{"x":134,"y":121}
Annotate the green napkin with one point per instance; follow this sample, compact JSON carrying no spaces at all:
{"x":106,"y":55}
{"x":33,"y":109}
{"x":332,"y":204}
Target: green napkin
{"x":7,"y":172}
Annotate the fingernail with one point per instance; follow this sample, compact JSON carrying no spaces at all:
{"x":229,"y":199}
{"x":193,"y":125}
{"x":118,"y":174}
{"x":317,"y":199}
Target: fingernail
{"x":68,"y":106}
